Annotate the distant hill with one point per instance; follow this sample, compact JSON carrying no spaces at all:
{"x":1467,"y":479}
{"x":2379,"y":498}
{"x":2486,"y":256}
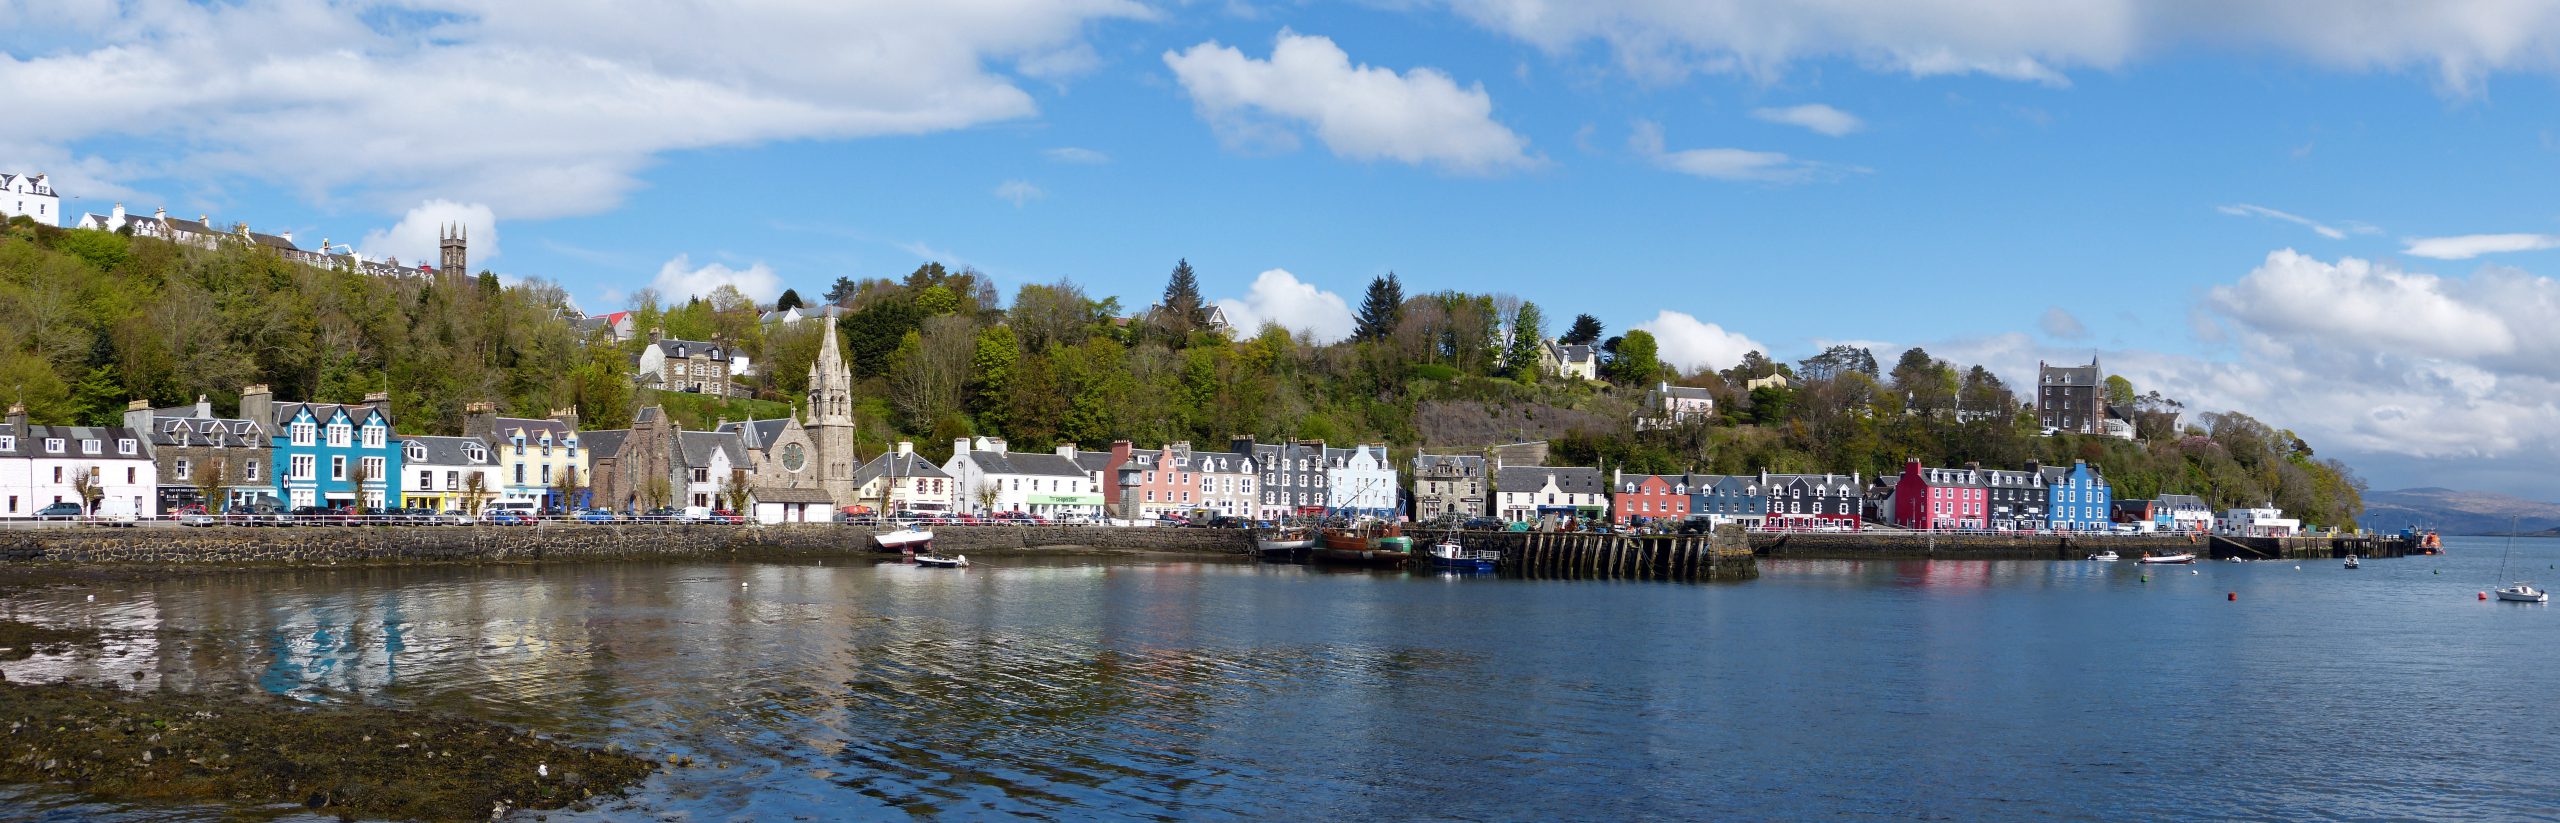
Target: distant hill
{"x":2457,"y":512}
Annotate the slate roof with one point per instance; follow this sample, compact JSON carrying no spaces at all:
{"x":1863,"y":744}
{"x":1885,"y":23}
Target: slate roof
{"x":217,"y":432}
{"x":1571,"y":353}
{"x":2002,"y":478}
{"x":909,"y":464}
{"x":534,"y":427}
{"x":1569,"y":479}
{"x":322,"y":412}
{"x":669,"y":347}
{"x":756,"y":434}
{"x":2184,"y":501}
{"x":31,"y":441}
{"x":2068,"y":375}
{"x":1468,"y":465}
{"x":1026,"y":463}
{"x":449,"y":451}
{"x":699,"y":446}
{"x":1093,"y":461}
{"x":605,"y":444}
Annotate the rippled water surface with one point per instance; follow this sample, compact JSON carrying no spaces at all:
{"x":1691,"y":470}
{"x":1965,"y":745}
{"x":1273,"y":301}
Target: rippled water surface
{"x":1109,"y":689}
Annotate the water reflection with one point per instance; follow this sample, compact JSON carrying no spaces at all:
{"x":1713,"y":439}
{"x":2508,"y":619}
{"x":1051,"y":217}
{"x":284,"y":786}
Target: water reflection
{"x":1082,"y":689}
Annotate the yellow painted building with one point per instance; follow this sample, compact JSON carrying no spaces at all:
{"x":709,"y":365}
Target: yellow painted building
{"x":533,"y":455}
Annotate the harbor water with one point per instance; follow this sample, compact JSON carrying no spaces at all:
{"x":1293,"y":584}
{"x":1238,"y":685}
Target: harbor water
{"x":1113,"y":688}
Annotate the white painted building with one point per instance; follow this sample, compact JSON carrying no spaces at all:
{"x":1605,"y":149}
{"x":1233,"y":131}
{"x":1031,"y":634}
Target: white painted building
{"x":2266,"y":521}
{"x":438,"y":472}
{"x":714,"y":462}
{"x":1360,"y":481}
{"x":903,"y":481}
{"x":990,"y":478}
{"x":44,"y":465}
{"x":1529,"y":493}
{"x":31,"y":195}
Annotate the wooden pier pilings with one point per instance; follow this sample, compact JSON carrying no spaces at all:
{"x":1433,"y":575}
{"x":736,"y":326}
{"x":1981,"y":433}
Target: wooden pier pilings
{"x":1548,"y":555}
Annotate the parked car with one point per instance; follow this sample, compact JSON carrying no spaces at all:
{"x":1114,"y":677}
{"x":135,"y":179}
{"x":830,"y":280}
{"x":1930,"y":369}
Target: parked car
{"x":199,"y":518}
{"x":696,"y":514}
{"x":727,"y":516}
{"x":1228,"y":522}
{"x":255,"y":514}
{"x":183,"y":511}
{"x":599,"y":516}
{"x":60,"y":511}
{"x":662,"y":514}
{"x":317,"y":516}
{"x":505,"y":517}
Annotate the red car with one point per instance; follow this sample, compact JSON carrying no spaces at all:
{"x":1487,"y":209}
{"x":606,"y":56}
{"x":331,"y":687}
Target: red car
{"x":182,"y":511}
{"x":727,"y":516}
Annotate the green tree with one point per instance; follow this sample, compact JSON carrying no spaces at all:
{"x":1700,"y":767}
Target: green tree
{"x":991,"y":371}
{"x":2120,"y":393}
{"x":1586,"y":330}
{"x":789,"y":300}
{"x":1382,"y":310}
{"x":937,"y":300}
{"x":1183,"y":309}
{"x":1638,"y":361}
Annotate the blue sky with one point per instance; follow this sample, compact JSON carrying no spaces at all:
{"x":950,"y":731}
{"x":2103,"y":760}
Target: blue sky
{"x":2254,"y":205}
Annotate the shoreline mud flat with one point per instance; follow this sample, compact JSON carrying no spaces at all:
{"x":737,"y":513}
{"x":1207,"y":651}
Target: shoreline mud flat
{"x":247,"y":750}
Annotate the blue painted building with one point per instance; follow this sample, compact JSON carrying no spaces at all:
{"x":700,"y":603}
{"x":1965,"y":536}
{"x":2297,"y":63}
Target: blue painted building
{"x":2078,"y":498}
{"x":321,"y":448}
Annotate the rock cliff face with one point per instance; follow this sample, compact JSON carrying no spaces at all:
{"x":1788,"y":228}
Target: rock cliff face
{"x":311,"y":546}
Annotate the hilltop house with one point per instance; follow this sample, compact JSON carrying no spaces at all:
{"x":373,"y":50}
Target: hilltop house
{"x":31,"y":195}
{"x":1568,"y":360}
{"x":684,"y":365}
{"x":1667,"y":406}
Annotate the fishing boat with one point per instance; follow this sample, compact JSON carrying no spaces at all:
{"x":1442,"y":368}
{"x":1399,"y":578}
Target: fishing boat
{"x":1451,"y":555}
{"x":904,"y":539}
{"x":1283,"y":545}
{"x":2168,"y":559}
{"x":2351,"y":562}
{"x":1363,"y":546}
{"x":2108,"y":556}
{"x":2523,"y":593}
{"x":932,"y":561}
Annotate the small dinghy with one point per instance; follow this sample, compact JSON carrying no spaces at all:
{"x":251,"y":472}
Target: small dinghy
{"x":957,"y":561}
{"x":2523,"y":593}
{"x":2108,"y":556}
{"x":2169,"y":559}
{"x":2351,"y":562}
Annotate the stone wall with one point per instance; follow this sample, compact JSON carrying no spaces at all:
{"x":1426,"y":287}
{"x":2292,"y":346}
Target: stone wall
{"x":326,"y":545}
{"x":1725,"y":555}
{"x":1918,"y":545}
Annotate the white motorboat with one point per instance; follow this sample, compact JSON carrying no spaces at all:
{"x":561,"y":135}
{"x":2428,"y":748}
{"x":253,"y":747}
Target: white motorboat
{"x":2351,"y":562}
{"x":905,"y":539}
{"x":2523,"y":593}
{"x":2108,"y":556}
{"x":957,"y":561}
{"x":2170,"y":559}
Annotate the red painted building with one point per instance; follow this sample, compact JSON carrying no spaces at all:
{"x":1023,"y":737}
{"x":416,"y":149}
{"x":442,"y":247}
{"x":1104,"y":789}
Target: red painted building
{"x":1649,"y":496}
{"x":1941,"y":499}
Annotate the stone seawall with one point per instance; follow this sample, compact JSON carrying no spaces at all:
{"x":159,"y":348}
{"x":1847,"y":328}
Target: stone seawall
{"x":428,"y":544}
{"x":1725,"y":555}
{"x":1913,"y":545}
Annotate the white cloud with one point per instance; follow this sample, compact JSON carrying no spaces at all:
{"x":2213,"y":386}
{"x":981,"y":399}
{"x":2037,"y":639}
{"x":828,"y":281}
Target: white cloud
{"x":679,"y":279}
{"x":2462,"y":41}
{"x":1079,"y":156}
{"x":1819,"y":118}
{"x":1361,"y":112}
{"x":1277,"y":296}
{"x":2317,"y":227}
{"x":538,"y":109}
{"x":415,"y":238}
{"x":1729,"y":164}
{"x":1019,"y":192}
{"x":2467,"y":246}
{"x":2060,"y":324}
{"x":1685,"y":341}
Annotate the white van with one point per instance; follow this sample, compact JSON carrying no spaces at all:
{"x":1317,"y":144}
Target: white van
{"x":522,"y":508}
{"x":117,"y":512}
{"x":697,"y":514}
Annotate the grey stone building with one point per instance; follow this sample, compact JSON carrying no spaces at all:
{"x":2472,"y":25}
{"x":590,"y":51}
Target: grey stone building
{"x":1448,"y":484}
{"x":194,"y":450}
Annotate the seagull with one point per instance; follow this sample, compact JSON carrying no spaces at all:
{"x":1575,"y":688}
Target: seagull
{"x":542,"y":770}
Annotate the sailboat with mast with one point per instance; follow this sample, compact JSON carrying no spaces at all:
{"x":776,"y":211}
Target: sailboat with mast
{"x":2519,"y":591}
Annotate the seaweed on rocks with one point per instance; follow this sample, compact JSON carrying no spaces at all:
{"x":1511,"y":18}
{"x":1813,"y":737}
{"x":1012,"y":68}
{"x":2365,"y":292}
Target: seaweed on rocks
{"x":351,"y":761}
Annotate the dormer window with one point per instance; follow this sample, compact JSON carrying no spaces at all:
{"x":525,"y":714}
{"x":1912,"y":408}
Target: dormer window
{"x":124,"y":446}
{"x":475,"y":454}
{"x":373,"y":436}
{"x":415,"y":453}
{"x":8,"y":443}
{"x":340,"y":435}
{"x":90,"y":447}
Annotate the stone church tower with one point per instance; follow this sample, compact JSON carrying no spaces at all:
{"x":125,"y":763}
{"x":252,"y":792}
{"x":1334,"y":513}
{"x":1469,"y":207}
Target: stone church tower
{"x":451,"y":243}
{"x":830,"y":418}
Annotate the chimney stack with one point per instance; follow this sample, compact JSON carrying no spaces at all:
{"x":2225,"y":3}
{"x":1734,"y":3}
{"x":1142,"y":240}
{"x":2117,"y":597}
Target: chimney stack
{"x":257,"y":405}
{"x":18,"y":418}
{"x":480,"y":420}
{"x":959,"y":446}
{"x":1067,"y":450}
{"x":906,"y":447}
{"x":566,"y":417}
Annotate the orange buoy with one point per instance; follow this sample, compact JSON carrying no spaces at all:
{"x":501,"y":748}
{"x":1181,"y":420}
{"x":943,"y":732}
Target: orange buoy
{"x":2484,"y":595}
{"x":2233,"y":597}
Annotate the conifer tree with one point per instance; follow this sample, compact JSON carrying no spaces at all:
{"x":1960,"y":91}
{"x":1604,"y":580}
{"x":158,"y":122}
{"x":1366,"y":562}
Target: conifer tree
{"x":790,"y":300}
{"x":1182,"y":303}
{"x":1586,"y":330}
{"x":1527,"y":334}
{"x":1382,"y":310}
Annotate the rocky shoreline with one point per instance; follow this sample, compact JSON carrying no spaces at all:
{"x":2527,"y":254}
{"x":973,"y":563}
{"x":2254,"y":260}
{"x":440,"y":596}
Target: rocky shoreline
{"x":252,"y":750}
